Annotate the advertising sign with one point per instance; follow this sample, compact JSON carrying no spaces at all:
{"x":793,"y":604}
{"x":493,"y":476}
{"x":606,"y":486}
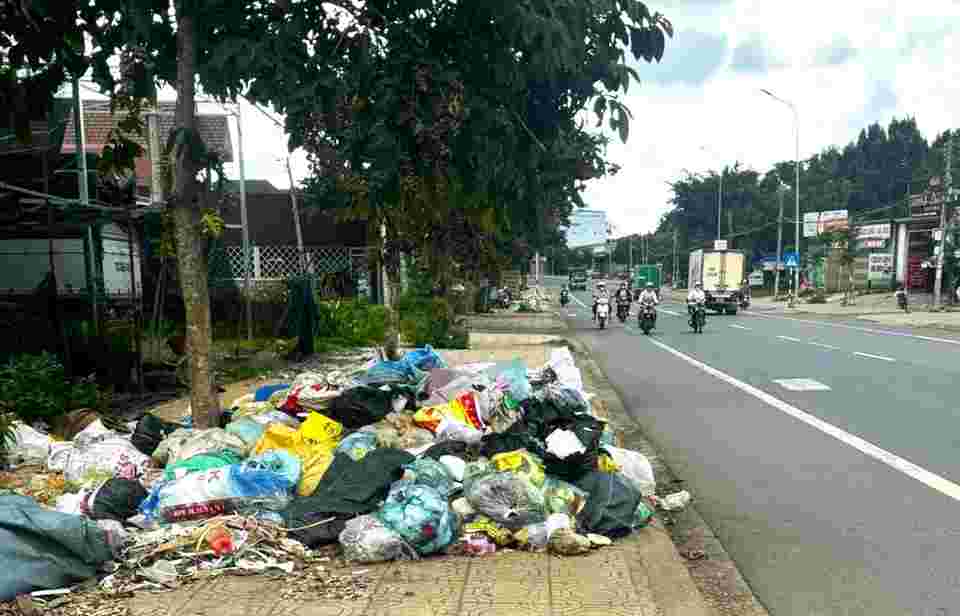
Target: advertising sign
{"x":871,"y":244}
{"x":874,"y":232}
{"x":719,"y":244}
{"x":879,"y":266}
{"x":756,"y":279}
{"x":810,"y":220}
{"x":834,"y":220}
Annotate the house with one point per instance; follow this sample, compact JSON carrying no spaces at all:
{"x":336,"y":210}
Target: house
{"x":98,"y":122}
{"x":336,"y":252}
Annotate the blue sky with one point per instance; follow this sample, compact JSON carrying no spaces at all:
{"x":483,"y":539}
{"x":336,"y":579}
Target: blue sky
{"x":843,"y":64}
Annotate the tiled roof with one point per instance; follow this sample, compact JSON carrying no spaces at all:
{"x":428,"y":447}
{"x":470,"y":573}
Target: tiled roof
{"x":214,"y":129}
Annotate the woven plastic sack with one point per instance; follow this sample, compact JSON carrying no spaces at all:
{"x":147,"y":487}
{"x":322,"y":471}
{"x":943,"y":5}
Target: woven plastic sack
{"x":186,"y":443}
{"x":357,"y":445}
{"x":508,"y":498}
{"x":239,"y":488}
{"x":562,"y":497}
{"x":521,"y":462}
{"x":421,"y":515}
{"x":115,"y":456}
{"x":202,"y":462}
{"x":430,"y":472}
{"x":28,"y":445}
{"x":365,"y":539}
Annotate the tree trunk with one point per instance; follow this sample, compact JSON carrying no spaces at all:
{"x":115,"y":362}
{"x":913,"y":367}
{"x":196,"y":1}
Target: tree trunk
{"x":189,"y":240}
{"x":391,"y":343}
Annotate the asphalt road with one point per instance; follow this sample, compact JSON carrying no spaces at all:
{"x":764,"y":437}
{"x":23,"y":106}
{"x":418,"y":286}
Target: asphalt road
{"x":842,"y":498}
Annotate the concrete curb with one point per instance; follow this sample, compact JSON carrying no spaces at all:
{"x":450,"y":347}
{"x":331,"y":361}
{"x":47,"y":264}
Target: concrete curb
{"x":707,"y":581}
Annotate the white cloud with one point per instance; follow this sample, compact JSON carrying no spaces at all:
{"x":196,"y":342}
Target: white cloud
{"x":898,"y":60}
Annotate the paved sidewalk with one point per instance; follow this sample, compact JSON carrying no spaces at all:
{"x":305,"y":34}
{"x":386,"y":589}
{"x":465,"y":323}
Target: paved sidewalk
{"x":642,"y":575}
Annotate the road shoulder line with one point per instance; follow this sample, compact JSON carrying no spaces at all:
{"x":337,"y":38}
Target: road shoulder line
{"x":931,"y":480}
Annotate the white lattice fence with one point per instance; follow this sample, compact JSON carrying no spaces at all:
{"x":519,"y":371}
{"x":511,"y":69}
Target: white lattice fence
{"x":280,"y":262}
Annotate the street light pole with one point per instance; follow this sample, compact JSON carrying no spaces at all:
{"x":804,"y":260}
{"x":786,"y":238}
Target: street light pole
{"x":719,"y":192}
{"x":796,"y":129}
{"x":776,"y":275}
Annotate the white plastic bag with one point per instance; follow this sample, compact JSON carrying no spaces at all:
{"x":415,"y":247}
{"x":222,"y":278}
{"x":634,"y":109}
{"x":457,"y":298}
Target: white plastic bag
{"x":29,"y":446}
{"x":365,"y":539}
{"x":185,"y":443}
{"x":563,"y":365}
{"x":635,"y":468}
{"x":96,"y":431}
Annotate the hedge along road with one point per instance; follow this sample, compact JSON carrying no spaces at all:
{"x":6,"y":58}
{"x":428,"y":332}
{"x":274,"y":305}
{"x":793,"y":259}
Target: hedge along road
{"x":822,"y":455}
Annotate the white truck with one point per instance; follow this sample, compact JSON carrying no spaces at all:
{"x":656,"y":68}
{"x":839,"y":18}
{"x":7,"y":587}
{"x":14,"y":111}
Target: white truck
{"x":721,"y":272}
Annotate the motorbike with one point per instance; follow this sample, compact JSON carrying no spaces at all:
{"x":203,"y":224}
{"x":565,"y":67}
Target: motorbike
{"x":505,"y":298}
{"x":902,"y":302}
{"x":698,"y":317}
{"x":603,"y":311}
{"x":647,"y":318}
{"x":744,"y":301}
{"x":564,"y":298}
{"x":623,"y":311}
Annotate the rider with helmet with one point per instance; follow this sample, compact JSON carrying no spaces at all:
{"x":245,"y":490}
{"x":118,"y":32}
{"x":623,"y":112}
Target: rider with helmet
{"x":695,"y":296}
{"x":599,"y":291}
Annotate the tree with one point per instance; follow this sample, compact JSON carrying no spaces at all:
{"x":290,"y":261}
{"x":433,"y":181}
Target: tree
{"x":429,"y":110}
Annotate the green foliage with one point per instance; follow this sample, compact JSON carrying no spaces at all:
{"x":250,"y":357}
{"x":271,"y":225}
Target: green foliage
{"x":425,"y":320}
{"x":35,"y":386}
{"x":352,"y":322}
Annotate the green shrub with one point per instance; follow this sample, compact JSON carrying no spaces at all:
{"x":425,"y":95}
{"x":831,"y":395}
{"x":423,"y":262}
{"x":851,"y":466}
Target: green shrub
{"x":35,"y":386}
{"x":430,"y":321}
{"x":348,"y":322}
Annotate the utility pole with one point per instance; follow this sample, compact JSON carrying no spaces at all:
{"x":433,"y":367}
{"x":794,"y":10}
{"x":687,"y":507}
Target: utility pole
{"x":676,"y":261}
{"x":247,"y":291}
{"x":296,"y":221}
{"x":948,"y":182}
{"x":630,"y":254}
{"x":776,"y":275}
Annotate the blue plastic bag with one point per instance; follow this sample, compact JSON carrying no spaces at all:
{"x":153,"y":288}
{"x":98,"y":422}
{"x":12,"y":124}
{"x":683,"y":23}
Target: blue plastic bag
{"x":264,"y":392}
{"x":430,"y":472}
{"x":424,"y":359}
{"x":512,"y":377}
{"x":279,"y":461}
{"x":421,"y":515}
{"x":357,"y":445}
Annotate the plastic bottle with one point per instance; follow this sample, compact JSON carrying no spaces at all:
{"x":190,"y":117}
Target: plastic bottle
{"x":220,"y":540}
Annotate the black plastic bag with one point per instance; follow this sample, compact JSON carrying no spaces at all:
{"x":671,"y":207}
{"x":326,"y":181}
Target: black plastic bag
{"x":361,"y":406}
{"x":117,"y":499}
{"x":611,"y":507}
{"x":150,"y":431}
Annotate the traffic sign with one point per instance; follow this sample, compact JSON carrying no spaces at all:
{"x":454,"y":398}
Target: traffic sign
{"x":791,"y":259}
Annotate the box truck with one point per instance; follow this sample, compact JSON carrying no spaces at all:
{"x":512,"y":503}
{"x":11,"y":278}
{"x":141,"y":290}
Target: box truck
{"x":721,"y":272}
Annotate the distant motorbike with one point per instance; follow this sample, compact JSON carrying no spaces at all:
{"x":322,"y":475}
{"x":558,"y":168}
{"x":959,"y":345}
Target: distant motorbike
{"x":647,"y":318}
{"x":902,"y":301}
{"x":564,"y":297}
{"x":603,"y":311}
{"x":698,"y":317}
{"x":505,"y":298}
{"x":744,"y":301}
{"x":623,"y":311}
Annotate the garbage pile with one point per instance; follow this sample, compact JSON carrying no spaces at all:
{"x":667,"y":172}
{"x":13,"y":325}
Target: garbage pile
{"x":396,"y":460}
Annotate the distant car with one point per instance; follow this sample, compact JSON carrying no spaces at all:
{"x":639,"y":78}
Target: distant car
{"x":597,"y":275}
{"x":578,"y":280}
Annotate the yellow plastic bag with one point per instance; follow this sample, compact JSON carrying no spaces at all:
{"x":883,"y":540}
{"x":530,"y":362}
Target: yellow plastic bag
{"x":484,"y":525}
{"x":463,"y":409}
{"x":521,"y":462}
{"x":605,"y":464}
{"x":313,"y":443}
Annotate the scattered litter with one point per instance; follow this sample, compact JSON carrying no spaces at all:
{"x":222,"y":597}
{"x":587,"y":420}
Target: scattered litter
{"x":677,"y":501}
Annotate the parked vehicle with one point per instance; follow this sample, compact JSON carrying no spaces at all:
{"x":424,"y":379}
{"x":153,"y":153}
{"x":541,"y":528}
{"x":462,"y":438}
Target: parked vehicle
{"x":698,"y":317}
{"x":647,"y":318}
{"x":603,"y":311}
{"x":720,"y":272}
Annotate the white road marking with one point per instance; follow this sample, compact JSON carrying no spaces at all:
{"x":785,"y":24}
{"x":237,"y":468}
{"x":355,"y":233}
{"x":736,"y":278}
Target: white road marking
{"x":801,"y":385}
{"x":670,"y":312}
{"x":825,"y":346}
{"x":788,"y":338}
{"x":931,"y":480}
{"x":882,"y":332}
{"x":869,"y":356}
{"x":577,"y":299}
{"x":741,"y":327}
{"x":571,"y":314}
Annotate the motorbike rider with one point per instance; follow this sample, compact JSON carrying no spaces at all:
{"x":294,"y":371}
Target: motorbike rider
{"x":695,"y":296}
{"x":598,"y":292}
{"x":564,"y":294}
{"x":648,"y":297}
{"x":623,"y":294}
{"x":902,"y":298}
